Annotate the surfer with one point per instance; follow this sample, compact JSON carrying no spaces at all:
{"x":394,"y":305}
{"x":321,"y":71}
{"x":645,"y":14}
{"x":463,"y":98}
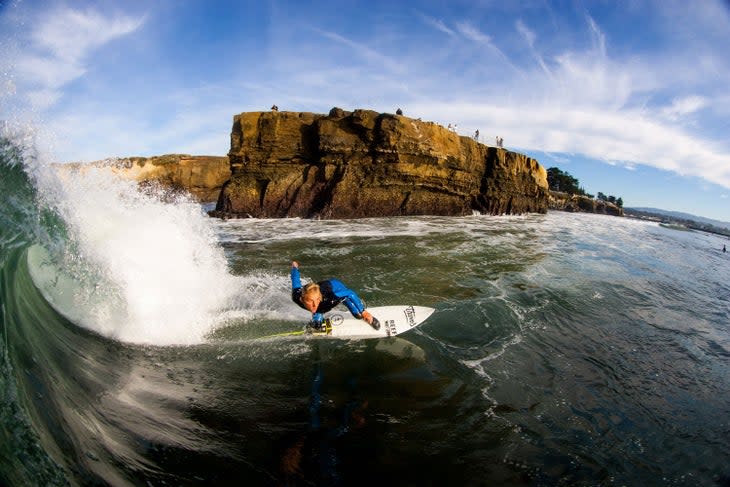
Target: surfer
{"x":320,"y":297}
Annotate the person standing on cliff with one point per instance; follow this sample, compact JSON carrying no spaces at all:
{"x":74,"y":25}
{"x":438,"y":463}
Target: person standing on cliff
{"x":319,"y":298}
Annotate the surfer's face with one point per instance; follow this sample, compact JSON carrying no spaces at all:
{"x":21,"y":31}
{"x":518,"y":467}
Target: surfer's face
{"x":311,"y":302}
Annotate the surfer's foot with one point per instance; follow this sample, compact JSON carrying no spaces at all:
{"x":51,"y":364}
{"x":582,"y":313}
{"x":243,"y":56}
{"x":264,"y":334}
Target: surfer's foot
{"x":375,"y":323}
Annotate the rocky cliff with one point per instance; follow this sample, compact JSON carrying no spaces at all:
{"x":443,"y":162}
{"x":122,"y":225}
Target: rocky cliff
{"x":201,"y":176}
{"x":364,"y":163}
{"x":575,"y":203}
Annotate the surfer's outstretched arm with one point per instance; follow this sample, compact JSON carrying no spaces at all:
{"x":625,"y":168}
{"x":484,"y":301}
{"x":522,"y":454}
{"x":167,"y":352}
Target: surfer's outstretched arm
{"x":296,"y":280}
{"x":296,"y":283}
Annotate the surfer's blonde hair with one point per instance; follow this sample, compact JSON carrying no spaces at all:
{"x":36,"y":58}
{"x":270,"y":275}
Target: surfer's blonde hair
{"x":310,"y":291}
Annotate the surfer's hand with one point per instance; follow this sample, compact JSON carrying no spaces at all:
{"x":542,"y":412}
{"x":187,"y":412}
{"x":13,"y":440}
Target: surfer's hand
{"x":372,"y":320}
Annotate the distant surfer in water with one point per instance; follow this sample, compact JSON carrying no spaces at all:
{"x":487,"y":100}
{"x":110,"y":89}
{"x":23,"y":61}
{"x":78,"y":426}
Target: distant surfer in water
{"x":318,"y":298}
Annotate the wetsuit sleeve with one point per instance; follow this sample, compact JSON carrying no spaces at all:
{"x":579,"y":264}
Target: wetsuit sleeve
{"x":296,"y":293}
{"x":296,"y":285}
{"x":353,"y":303}
{"x":349,"y":298}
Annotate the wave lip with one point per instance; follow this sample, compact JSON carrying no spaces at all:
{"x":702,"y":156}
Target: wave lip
{"x":146,"y":268}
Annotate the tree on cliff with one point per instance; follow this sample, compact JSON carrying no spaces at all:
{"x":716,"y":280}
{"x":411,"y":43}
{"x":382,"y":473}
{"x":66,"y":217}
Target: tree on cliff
{"x":611,"y":199}
{"x":563,"y":182}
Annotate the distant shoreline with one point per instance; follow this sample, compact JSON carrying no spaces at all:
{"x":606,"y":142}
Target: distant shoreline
{"x":672,"y":220}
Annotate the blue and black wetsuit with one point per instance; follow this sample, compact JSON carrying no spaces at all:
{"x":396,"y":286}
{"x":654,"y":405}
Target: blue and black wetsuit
{"x":333,"y":292}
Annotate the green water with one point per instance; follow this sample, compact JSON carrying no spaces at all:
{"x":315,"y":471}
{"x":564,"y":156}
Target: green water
{"x":565,"y":350}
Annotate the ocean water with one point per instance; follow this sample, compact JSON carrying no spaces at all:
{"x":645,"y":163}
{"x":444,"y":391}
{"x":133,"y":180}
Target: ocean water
{"x":566,"y":349}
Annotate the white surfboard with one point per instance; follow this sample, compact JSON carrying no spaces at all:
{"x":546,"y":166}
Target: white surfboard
{"x":394,"y":320}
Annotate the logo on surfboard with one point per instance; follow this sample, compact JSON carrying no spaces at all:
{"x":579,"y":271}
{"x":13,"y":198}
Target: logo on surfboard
{"x":410,"y":316}
{"x":390,"y":328}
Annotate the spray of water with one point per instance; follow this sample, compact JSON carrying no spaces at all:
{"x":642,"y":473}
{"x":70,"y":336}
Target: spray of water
{"x":143,"y":266}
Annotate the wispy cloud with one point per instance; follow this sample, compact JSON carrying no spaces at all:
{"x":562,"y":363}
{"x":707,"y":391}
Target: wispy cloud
{"x":362,"y":50}
{"x":681,"y":107}
{"x":599,"y":38}
{"x":437,"y":24}
{"x":58,"y":46}
{"x":69,"y":35}
{"x":625,"y":137}
{"x":474,"y":34}
{"x":529,"y":37}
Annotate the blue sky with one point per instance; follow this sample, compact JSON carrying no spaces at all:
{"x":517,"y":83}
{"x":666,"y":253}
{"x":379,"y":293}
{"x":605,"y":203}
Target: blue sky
{"x":630,"y":97}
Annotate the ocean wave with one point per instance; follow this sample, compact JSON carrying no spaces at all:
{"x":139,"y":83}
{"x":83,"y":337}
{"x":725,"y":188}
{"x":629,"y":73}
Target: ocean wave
{"x":565,"y":348}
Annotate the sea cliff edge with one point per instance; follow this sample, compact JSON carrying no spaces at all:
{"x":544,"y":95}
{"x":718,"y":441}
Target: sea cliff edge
{"x":368,"y":164}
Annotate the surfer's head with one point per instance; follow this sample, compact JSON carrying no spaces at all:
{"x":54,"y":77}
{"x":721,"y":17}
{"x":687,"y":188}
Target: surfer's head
{"x":311,"y":297}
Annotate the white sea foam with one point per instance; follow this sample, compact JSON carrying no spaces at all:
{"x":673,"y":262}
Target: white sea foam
{"x":146,"y":269}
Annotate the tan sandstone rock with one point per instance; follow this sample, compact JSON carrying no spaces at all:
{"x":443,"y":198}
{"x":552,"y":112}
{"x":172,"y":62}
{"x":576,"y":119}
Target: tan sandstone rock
{"x":201,"y":176}
{"x":364,"y":163}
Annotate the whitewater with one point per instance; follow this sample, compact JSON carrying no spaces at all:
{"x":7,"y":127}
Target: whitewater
{"x":566,"y":349}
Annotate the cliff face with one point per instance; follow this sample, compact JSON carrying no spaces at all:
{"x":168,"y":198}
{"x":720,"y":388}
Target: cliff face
{"x":201,"y":176}
{"x":576,"y":203}
{"x":363,"y":164}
